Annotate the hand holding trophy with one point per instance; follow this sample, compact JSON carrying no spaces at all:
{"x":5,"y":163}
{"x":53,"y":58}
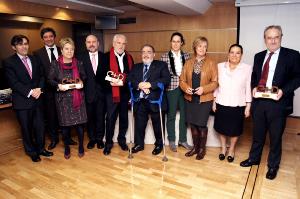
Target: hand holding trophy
{"x":114,"y":78}
{"x":67,"y":84}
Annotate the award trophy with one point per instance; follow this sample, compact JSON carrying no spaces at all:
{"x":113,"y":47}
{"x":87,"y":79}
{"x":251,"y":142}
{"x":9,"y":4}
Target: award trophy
{"x":115,"y":78}
{"x":265,"y":92}
{"x":68,"y":84}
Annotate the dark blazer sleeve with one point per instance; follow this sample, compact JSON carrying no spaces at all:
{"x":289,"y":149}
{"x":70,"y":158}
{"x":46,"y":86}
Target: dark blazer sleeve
{"x":38,"y":63}
{"x":14,"y":82}
{"x":164,"y":76}
{"x":53,"y":74}
{"x":133,"y":76}
{"x":82,"y":72}
{"x":293,"y":79}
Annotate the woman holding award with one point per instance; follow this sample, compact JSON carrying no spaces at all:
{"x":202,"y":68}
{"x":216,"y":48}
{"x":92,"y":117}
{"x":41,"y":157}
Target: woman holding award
{"x":67,"y":75}
{"x":198,"y":80}
{"x":232,"y":99}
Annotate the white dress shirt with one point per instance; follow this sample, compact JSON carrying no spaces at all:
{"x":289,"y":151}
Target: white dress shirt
{"x":177,"y":62}
{"x":96,"y":58}
{"x":120,"y":61}
{"x":272,"y":66}
{"x":55,"y":52}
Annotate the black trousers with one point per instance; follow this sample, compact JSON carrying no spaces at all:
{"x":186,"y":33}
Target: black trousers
{"x":113,"y":111}
{"x":32,"y":127}
{"x":268,"y":115}
{"x":96,"y":119}
{"x":51,"y":115}
{"x":141,"y":116}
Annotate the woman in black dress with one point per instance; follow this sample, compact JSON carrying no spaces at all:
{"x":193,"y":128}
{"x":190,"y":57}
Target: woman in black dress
{"x":70,"y":103}
{"x":199,"y":80}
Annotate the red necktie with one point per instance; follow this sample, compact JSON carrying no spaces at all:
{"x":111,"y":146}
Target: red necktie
{"x":265,"y":72}
{"x":24,"y":59}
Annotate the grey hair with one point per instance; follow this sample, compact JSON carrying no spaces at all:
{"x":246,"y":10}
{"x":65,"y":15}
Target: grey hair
{"x":119,"y":35}
{"x":277,"y":27}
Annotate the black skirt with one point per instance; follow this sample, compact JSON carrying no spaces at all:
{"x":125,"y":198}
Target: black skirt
{"x":229,"y":121}
{"x":197,"y":113}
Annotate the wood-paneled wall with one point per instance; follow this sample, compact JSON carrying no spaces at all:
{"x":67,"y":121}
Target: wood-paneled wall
{"x":218,"y":24}
{"x":45,"y":11}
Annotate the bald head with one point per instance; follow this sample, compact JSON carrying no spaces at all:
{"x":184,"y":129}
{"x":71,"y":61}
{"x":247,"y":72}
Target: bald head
{"x":92,"y":43}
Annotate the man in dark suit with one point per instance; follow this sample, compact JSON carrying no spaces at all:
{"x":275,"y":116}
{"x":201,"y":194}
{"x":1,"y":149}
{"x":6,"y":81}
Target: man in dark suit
{"x":93,"y":62}
{"x":280,"y":67}
{"x":46,"y":55}
{"x":144,"y":78}
{"x":120,"y":62}
{"x":24,"y":75}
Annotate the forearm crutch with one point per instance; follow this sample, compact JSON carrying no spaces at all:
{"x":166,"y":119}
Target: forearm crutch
{"x":132,"y":101}
{"x":159,"y":101}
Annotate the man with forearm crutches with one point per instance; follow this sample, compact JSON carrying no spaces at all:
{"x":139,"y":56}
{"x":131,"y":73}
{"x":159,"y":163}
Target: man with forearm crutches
{"x":144,"y":79}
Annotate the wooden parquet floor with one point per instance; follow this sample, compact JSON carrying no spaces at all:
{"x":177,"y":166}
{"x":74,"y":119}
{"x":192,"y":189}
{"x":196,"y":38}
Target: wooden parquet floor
{"x":146,"y":176}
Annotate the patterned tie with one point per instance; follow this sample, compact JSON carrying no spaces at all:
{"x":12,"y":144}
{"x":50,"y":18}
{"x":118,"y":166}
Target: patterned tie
{"x":52,"y":54}
{"x":24,"y":59}
{"x":145,"y":72}
{"x":94,"y":64}
{"x":145,"y":78}
{"x":265,"y":72}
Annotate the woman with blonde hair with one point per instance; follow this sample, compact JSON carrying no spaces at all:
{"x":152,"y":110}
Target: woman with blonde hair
{"x":198,"y":81}
{"x":70,"y":103}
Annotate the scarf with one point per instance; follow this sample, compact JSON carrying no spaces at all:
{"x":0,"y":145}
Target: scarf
{"x":75,"y":93}
{"x":115,"y":68}
{"x":172,"y":61}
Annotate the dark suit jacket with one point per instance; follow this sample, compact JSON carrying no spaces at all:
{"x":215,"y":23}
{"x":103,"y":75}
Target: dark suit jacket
{"x":94,"y":84}
{"x":158,"y":73}
{"x":20,"y":81}
{"x":286,"y":76}
{"x":42,"y":55}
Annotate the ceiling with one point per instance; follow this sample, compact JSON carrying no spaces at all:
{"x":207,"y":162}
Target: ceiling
{"x":116,"y":7}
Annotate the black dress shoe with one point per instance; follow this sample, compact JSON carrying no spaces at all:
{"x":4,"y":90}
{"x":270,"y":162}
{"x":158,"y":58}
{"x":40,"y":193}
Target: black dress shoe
{"x":157,"y":150}
{"x":248,"y":163}
{"x":230,"y":158}
{"x":271,"y":174}
{"x":72,"y":142}
{"x":221,"y":156}
{"x":67,"y":153}
{"x":123,"y":146}
{"x":35,"y":158}
{"x":137,"y":148}
{"x":52,"y":144}
{"x":107,"y":150}
{"x":91,"y":144}
{"x":46,"y":153}
{"x":100,"y":144}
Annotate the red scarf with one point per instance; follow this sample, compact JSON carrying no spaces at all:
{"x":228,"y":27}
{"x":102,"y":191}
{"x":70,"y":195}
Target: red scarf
{"x":115,"y":68}
{"x":76,"y":93}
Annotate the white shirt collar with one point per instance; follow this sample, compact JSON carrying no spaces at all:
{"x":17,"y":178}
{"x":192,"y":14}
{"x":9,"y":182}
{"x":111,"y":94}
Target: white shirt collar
{"x":54,"y":46}
{"x":276,"y":52}
{"x":175,"y":55}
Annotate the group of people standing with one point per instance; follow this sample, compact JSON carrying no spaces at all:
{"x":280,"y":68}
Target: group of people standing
{"x":194,"y":84}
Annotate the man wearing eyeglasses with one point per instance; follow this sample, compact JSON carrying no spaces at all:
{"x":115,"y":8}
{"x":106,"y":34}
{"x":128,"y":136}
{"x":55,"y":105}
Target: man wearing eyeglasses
{"x":275,"y":67}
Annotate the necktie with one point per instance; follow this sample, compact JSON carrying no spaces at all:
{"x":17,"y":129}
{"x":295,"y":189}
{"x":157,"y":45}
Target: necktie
{"x":265,"y":72}
{"x":94,"y":64}
{"x":145,"y":72}
{"x":52,"y":54}
{"x":24,"y":59}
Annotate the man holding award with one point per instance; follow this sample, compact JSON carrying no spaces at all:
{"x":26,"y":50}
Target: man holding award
{"x":275,"y":76}
{"x":119,"y":64}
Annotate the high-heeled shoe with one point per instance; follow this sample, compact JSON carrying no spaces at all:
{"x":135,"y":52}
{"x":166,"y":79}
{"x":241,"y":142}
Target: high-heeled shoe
{"x":230,"y":158}
{"x":221,"y":156}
